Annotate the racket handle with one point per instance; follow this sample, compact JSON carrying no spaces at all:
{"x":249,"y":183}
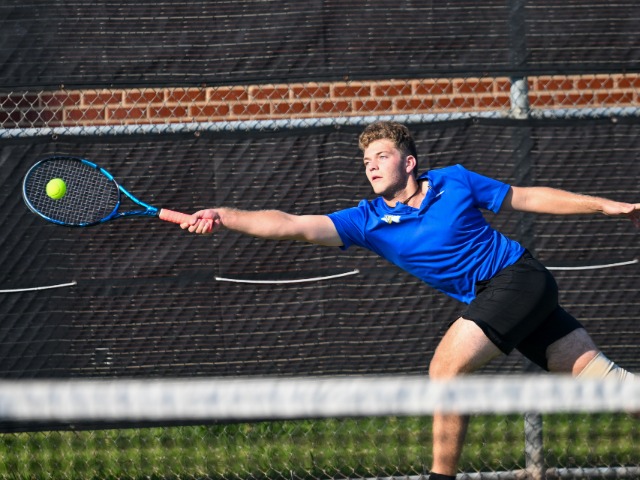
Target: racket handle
{"x":173,"y":216}
{"x":179,"y":217}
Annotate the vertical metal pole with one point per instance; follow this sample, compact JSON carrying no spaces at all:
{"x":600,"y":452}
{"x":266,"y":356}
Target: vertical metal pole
{"x":519,"y":98}
{"x":522,"y":142}
{"x":523,"y":165}
{"x":533,"y":446}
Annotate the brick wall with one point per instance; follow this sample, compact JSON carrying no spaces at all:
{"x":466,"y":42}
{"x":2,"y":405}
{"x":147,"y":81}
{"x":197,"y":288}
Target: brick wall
{"x":300,"y":100}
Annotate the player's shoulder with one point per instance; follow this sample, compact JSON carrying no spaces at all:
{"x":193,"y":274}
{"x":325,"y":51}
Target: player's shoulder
{"x":363,"y":209}
{"x":372,"y":206}
{"x":436,"y":176}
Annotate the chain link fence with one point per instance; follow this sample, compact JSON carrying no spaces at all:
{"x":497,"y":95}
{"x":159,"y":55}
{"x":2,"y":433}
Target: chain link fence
{"x":585,"y":446}
{"x":272,"y":106}
{"x":527,"y":90}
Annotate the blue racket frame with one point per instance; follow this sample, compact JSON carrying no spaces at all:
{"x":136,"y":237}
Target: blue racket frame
{"x":147,"y":210}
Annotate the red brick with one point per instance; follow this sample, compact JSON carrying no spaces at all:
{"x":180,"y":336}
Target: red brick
{"x":189,"y":95}
{"x":134,"y":97}
{"x":615,"y":98}
{"x":393,"y":89}
{"x":269,"y":92}
{"x":574,"y":99}
{"x":209,"y":111}
{"x":60,"y":99}
{"x":554,"y":83}
{"x":164,"y":120}
{"x":502,"y":85}
{"x":124,"y":113}
{"x":289,"y":108}
{"x":629,"y":81}
{"x":84,"y":114}
{"x":30,"y":116}
{"x":433,"y":87}
{"x":594,"y":83}
{"x":312,"y":91}
{"x":11,"y":119}
{"x":414,"y":104}
{"x":372,"y":106}
{"x":497,"y":101}
{"x":226,"y":94}
{"x":338,"y":106}
{"x":473,"y":85}
{"x":102,"y":97}
{"x":454,"y":102}
{"x":539,"y":100}
{"x":351,"y":90}
{"x":168,"y":112}
{"x":250,"y":109}
{"x":42,"y":118}
{"x":19,"y":101}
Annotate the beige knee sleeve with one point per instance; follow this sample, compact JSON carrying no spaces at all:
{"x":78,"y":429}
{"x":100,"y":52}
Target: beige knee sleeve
{"x":601,"y":367}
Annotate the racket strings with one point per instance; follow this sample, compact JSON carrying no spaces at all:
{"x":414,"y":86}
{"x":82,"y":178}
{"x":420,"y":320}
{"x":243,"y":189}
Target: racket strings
{"x":90,"y":197}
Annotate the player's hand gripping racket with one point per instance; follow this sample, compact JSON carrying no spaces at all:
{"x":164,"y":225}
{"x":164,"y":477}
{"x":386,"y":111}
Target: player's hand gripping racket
{"x":75,"y":192}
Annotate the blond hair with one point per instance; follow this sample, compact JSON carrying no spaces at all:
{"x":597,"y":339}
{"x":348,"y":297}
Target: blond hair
{"x":396,"y":132}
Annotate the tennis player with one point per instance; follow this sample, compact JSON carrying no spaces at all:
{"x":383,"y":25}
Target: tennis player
{"x":432,"y":226}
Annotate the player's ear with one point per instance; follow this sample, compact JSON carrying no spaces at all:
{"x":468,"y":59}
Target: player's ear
{"x":411,"y":163}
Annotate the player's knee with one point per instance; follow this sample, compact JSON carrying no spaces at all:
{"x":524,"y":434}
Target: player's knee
{"x":442,"y":370}
{"x":601,"y":367}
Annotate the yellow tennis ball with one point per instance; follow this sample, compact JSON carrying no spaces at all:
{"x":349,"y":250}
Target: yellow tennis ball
{"x":56,"y":188}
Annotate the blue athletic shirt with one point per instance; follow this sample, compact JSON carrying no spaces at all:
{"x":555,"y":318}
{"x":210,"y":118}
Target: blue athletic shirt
{"x":446,"y":242}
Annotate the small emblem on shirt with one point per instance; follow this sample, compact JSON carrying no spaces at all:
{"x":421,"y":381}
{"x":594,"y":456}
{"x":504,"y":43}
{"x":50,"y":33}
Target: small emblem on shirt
{"x":391,"y":219}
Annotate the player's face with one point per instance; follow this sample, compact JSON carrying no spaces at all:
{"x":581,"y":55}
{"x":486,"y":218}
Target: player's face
{"x":386,"y":168}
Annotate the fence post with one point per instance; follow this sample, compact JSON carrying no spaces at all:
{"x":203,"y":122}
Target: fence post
{"x":533,"y":446}
{"x":522,"y":145}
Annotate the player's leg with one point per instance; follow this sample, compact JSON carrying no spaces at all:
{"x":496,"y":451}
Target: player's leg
{"x":576,"y":353}
{"x":507,"y":308}
{"x":591,"y":363}
{"x":463,"y":349}
{"x":571,"y":353}
{"x":561,"y":345}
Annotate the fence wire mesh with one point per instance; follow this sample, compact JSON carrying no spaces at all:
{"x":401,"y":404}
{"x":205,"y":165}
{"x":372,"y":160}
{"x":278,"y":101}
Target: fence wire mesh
{"x":527,"y":91}
{"x":584,"y":446}
{"x":320,"y":428}
{"x":272,"y":106}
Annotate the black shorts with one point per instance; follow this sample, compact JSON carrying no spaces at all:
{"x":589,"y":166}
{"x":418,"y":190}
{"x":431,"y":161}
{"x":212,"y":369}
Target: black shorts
{"x":518,"y":308}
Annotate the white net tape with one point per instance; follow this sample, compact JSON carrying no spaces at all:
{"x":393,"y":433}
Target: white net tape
{"x":287,"y":398}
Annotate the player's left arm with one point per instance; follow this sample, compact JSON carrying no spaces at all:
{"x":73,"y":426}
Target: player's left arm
{"x":560,"y":202}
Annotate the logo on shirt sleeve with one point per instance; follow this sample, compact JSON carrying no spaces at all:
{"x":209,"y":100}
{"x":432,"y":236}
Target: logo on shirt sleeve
{"x":391,"y":219}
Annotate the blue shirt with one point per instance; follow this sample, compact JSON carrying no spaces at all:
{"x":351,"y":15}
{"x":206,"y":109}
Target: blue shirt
{"x":446,"y":242}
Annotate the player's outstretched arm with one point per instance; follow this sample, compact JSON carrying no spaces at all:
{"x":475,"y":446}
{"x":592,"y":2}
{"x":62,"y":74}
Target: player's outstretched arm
{"x":561,"y":202}
{"x":272,"y":224}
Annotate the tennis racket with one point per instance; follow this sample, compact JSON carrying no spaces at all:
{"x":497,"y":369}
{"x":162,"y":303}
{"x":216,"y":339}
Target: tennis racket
{"x":90,"y":195}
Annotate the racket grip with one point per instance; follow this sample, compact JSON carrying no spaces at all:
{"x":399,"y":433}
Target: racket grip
{"x":179,"y":217}
{"x":173,"y":216}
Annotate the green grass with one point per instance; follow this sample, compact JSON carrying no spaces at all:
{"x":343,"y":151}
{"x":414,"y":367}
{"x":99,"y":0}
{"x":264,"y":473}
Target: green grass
{"x":309,"y":449}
